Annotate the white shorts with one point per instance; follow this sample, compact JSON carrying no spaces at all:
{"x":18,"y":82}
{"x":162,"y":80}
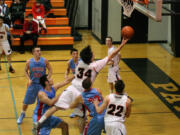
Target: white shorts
{"x":115,"y":128}
{"x":113,"y":74}
{"x":67,"y":97}
{"x":39,"y":21}
{"x":4,"y":46}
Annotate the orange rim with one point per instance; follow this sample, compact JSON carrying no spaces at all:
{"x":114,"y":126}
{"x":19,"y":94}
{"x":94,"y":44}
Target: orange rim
{"x":145,"y":2}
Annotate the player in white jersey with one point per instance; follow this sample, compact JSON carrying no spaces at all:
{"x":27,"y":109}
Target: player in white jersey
{"x":4,"y":44}
{"x":113,"y":70}
{"x":86,"y":68}
{"x":118,"y":107}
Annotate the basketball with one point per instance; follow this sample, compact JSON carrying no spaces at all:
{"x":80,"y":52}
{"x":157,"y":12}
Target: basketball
{"x":127,"y":32}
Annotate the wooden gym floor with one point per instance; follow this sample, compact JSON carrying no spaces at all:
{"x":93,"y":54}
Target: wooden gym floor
{"x":151,"y":75}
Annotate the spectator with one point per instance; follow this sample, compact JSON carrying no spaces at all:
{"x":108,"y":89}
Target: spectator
{"x":17,"y":11}
{"x":38,"y":15}
{"x":30,"y":30}
{"x":4,"y":12}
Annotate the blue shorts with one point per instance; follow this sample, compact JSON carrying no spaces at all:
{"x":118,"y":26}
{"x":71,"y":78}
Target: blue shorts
{"x":31,"y":93}
{"x":51,"y":122}
{"x":95,"y":126}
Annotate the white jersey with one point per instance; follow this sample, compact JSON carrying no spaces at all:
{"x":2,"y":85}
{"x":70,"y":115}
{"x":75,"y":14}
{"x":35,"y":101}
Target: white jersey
{"x":116,"y":109}
{"x":116,"y":58}
{"x":84,"y":70}
{"x":3,"y":32}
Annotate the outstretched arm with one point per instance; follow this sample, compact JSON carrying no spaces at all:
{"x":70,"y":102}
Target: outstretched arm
{"x":100,"y":109}
{"x":98,"y":65}
{"x":65,"y":82}
{"x":124,"y":41}
{"x":48,"y":66}
{"x":67,"y":70}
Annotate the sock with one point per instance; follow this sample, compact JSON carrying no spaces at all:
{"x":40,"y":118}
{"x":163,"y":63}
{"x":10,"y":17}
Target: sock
{"x":23,"y":111}
{"x":42,"y":119}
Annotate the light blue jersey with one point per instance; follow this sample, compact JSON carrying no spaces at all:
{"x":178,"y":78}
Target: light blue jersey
{"x":88,"y":97}
{"x":96,"y":124}
{"x":41,"y":108}
{"x":37,"y":69}
{"x":73,"y":65}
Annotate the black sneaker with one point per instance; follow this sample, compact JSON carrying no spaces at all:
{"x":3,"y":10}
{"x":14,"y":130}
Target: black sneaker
{"x":11,"y":69}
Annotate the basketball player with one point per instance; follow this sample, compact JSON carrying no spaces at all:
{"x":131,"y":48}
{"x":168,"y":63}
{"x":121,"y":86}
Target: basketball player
{"x":34,"y":69}
{"x":71,"y":65}
{"x":96,"y":124}
{"x":113,"y":70}
{"x":87,"y":67}
{"x":4,"y":44}
{"x":118,"y":107}
{"x":73,"y":62}
{"x":46,"y":99}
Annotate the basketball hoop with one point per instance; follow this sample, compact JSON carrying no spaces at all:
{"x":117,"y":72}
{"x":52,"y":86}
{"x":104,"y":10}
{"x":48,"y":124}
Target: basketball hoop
{"x":129,"y":5}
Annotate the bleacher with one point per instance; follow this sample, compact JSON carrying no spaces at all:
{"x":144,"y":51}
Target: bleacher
{"x":58,"y":34}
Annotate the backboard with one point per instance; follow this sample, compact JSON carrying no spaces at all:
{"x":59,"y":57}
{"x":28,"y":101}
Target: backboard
{"x":150,"y":8}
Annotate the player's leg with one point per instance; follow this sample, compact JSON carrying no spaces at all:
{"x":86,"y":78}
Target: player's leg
{"x":95,"y":126}
{"x":79,"y":111}
{"x":8,"y":52}
{"x":38,"y":126}
{"x":63,"y":103}
{"x":65,"y":128}
{"x":81,"y":121}
{"x":111,"y":79}
{"x":115,"y":128}
{"x":111,"y":86}
{"x":23,"y":114}
{"x":54,"y":122}
{"x":10,"y":66}
{"x":29,"y":98}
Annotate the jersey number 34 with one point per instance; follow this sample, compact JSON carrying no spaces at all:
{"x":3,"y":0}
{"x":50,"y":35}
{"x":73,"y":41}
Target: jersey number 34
{"x":82,"y":73}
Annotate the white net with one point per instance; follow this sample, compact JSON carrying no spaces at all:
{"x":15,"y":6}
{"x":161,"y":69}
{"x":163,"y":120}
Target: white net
{"x":128,"y":7}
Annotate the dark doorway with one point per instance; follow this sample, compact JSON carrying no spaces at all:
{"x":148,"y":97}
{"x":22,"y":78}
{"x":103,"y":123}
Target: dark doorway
{"x":140,"y":24}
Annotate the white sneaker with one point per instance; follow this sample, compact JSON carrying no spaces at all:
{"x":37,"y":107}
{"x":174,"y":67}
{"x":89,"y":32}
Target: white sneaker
{"x":20,"y":119}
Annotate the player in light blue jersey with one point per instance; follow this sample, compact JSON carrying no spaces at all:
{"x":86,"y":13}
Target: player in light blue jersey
{"x":46,"y":99}
{"x":96,"y":124}
{"x":34,"y":69}
{"x":73,"y":62}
